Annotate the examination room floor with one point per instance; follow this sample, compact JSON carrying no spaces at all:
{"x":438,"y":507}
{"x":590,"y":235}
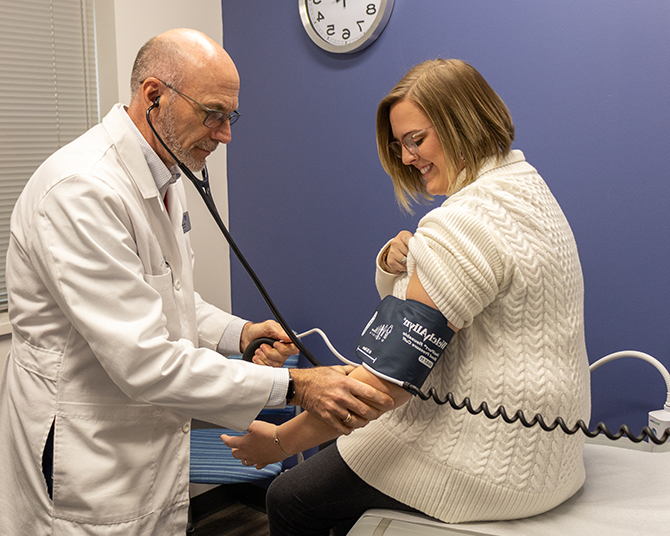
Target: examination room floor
{"x":236,"y":520}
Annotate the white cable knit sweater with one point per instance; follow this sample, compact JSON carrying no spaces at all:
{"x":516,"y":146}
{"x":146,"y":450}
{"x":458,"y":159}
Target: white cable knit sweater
{"x":499,"y":260}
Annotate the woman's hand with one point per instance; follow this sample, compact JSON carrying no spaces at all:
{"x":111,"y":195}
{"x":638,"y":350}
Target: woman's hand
{"x":257,"y":447}
{"x":394,"y":259}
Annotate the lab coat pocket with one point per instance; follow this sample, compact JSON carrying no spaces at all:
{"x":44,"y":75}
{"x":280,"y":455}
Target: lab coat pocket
{"x":164,"y":285}
{"x":104,"y":462}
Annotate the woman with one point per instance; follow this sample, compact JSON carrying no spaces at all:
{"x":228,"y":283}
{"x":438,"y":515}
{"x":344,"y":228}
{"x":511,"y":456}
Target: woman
{"x":499,"y":261}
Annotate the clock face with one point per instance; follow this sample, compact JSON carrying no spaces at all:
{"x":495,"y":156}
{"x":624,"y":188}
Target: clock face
{"x":345,"y":25}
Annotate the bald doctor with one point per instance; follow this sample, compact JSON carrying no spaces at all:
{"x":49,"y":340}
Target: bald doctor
{"x":113,"y":352}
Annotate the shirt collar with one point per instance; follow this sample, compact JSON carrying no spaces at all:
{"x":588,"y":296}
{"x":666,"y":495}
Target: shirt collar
{"x":162,"y":176}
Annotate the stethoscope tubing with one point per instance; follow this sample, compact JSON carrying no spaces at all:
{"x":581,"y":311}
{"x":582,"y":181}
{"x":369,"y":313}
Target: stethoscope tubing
{"x":202,"y":186}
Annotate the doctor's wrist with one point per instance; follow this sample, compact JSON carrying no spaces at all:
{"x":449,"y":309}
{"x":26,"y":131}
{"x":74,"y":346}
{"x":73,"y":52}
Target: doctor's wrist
{"x":290,"y":391}
{"x":244,"y":336}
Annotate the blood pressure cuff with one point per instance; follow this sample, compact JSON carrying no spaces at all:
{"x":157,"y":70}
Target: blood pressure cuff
{"x":403,"y":340}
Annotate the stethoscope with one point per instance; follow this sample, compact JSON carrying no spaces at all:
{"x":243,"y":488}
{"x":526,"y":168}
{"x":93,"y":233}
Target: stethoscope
{"x":202,"y":185}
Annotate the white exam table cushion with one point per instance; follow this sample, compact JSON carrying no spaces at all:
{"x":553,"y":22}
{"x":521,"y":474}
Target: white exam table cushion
{"x":627,"y":491}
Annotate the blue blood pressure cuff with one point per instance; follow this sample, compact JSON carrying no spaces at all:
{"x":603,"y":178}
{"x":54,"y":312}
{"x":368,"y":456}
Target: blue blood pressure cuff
{"x":403,"y":340}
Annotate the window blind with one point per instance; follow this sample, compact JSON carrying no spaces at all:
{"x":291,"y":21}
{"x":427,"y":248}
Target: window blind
{"x":48,"y":92}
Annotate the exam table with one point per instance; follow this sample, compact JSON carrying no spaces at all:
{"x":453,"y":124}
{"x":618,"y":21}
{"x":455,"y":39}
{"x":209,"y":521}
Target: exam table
{"x":627,"y":492}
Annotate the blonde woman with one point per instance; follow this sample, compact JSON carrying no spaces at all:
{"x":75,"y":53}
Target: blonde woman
{"x":499,"y":261}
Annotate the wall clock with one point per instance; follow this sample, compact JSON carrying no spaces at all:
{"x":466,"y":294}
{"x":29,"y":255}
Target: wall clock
{"x":344,"y":26}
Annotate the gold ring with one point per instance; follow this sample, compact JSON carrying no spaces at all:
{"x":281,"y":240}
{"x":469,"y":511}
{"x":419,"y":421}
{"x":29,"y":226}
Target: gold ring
{"x":348,"y":419}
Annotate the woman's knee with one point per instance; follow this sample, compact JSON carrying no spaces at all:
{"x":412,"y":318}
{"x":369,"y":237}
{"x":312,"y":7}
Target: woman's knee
{"x":278,"y":493}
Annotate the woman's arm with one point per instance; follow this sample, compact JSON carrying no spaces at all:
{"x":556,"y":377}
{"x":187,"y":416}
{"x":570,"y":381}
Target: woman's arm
{"x":415,"y":291}
{"x":266,"y":443}
{"x":258,"y":447}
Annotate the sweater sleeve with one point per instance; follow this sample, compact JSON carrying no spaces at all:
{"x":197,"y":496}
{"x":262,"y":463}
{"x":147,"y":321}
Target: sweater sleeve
{"x":458,"y":262}
{"x":383,"y":279}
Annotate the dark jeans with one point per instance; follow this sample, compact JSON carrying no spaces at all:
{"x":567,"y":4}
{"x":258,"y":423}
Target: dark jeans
{"x":320,"y":494}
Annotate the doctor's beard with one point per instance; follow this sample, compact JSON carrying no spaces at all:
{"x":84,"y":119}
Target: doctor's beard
{"x":167,"y":124}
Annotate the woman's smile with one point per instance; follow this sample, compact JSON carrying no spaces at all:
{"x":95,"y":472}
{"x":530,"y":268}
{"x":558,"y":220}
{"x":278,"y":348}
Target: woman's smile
{"x":428,"y":157}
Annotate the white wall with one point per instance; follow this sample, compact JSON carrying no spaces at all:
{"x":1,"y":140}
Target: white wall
{"x":123,"y":26}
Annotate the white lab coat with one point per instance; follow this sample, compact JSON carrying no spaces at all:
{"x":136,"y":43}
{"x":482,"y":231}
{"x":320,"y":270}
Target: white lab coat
{"x":110,"y":342}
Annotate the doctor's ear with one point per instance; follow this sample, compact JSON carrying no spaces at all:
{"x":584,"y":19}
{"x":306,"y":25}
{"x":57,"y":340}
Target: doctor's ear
{"x":150,"y":91}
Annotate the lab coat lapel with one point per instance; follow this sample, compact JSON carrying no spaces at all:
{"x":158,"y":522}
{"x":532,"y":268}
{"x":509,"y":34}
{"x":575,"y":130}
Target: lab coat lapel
{"x":181,"y":269}
{"x":130,"y":152}
{"x":176,"y":214}
{"x":135,"y":164}
{"x":166,"y":226}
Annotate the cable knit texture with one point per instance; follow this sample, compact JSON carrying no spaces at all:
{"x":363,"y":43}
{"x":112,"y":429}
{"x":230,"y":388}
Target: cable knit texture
{"x":499,"y":260}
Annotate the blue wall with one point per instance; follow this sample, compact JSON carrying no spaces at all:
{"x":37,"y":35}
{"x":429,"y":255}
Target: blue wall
{"x":588,"y":85}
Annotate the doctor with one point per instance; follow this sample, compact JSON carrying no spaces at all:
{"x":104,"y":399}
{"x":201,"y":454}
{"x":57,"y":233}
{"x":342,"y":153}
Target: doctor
{"x":113,"y":352}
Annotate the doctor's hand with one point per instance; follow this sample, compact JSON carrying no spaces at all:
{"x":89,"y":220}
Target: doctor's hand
{"x":394,"y":258}
{"x":257,"y":447}
{"x":342,"y":402}
{"x":271,"y":356}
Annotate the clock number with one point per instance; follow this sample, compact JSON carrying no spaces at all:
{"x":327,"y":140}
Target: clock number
{"x":334,"y":28}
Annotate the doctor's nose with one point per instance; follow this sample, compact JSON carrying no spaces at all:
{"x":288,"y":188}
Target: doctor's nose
{"x":222,"y":133}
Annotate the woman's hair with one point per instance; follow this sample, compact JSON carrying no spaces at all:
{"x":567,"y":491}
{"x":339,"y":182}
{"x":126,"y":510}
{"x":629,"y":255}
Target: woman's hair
{"x":470,"y":119}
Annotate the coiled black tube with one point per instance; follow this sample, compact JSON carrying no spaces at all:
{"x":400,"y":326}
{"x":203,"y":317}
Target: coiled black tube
{"x":538,"y":419}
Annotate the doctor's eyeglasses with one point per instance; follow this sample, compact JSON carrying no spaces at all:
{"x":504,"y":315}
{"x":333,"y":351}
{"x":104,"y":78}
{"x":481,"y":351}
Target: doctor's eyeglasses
{"x":214,"y":118}
{"x":409,"y":142}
